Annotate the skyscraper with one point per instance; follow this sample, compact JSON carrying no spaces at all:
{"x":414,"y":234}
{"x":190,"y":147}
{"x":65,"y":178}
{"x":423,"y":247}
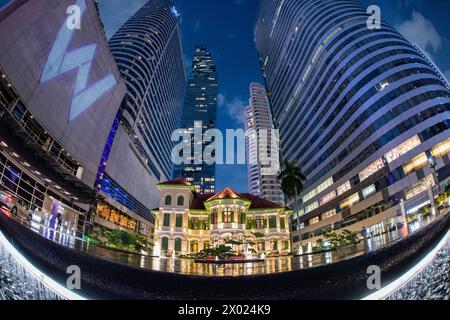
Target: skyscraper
{"x":148,"y":52}
{"x":200,"y":112}
{"x":262,"y":181}
{"x":361,"y":111}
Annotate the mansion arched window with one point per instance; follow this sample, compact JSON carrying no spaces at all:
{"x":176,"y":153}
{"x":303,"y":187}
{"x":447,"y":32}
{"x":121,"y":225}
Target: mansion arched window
{"x":168,"y":200}
{"x":227,"y":215}
{"x":180,"y":201}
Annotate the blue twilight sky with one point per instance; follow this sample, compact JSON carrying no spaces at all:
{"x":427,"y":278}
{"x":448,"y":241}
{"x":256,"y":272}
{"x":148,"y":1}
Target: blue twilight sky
{"x":225,"y":26}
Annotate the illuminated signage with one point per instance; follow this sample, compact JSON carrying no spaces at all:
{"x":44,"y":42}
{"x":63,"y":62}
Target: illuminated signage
{"x":61,"y":61}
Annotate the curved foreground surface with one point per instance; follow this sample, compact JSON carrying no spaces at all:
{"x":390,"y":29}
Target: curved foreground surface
{"x":111,"y":280}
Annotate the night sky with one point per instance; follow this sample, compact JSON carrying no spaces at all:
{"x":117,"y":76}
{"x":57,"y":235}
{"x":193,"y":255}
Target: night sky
{"x":226,"y":27}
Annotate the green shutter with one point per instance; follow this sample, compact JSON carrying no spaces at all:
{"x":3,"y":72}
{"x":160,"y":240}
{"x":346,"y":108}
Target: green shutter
{"x":166,"y":222}
{"x":165,"y":244}
{"x":178,"y":244}
{"x":179,"y":221}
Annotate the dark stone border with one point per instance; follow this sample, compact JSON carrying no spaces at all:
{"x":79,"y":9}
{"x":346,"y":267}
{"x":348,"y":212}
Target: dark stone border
{"x":103,"y":279}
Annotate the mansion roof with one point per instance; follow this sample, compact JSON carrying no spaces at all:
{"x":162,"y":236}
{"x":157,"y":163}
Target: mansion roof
{"x":198,"y":202}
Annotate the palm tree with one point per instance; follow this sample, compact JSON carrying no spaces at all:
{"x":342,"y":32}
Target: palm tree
{"x":292,"y":180}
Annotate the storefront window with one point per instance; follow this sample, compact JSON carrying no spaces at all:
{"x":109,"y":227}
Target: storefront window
{"x":403,"y":148}
{"x":314,"y":220}
{"x":312,"y":206}
{"x":344,"y":188}
{"x":350,"y":201}
{"x":327,"y":198}
{"x":420,"y":187}
{"x":371,"y":169}
{"x":327,"y":183}
{"x":441,"y":149}
{"x":328,"y":214}
{"x":416,"y":163}
{"x":367,"y":192}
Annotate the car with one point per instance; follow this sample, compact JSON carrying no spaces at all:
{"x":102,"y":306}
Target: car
{"x":18,"y":207}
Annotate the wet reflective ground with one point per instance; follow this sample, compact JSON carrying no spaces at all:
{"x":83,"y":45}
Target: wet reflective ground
{"x":190,"y":267}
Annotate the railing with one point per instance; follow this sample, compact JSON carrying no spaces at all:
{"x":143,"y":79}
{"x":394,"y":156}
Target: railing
{"x":20,"y":280}
{"x":426,"y":280}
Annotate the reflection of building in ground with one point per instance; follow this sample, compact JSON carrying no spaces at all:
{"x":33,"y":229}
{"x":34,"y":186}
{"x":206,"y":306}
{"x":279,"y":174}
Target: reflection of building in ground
{"x":188,"y":222}
{"x":59,"y":117}
{"x":367,"y":114}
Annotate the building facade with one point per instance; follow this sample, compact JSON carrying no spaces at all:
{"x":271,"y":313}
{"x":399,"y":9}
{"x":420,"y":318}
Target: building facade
{"x":262,"y":152}
{"x":362,"y":111}
{"x":137,"y":155}
{"x":188,"y":222}
{"x":60,"y":91}
{"x":200,"y":114}
{"x":148,"y":51}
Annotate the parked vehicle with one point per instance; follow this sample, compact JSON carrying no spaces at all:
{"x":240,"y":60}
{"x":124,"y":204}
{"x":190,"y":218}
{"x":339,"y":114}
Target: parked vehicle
{"x":18,"y":207}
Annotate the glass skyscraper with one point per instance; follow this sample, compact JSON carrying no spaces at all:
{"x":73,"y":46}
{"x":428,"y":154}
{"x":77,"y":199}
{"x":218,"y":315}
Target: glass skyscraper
{"x":148,"y":52}
{"x":200,"y":112}
{"x":362,"y":111}
{"x":261,"y":150}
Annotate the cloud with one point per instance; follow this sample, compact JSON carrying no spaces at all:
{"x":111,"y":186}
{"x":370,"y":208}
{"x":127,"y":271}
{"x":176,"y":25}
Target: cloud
{"x":421,"y":32}
{"x":197,"y":25}
{"x":234,"y":107}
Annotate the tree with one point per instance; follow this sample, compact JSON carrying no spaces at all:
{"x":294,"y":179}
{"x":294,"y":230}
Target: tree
{"x":292,"y":180}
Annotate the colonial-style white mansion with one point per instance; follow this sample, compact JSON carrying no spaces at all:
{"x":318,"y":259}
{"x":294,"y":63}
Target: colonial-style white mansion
{"x":188,"y":222}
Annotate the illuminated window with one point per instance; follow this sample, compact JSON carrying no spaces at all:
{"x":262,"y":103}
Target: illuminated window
{"x":350,"y":201}
{"x":328,"y":214}
{"x":403,"y":148}
{"x":371,"y":169}
{"x":344,"y":188}
{"x":330,"y":196}
{"x":227,"y":215}
{"x":311,"y":207}
{"x":441,"y":149}
{"x":314,"y":220}
{"x":420,"y":187}
{"x":416,"y":163}
{"x":367,"y":192}
{"x":327,"y":183}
